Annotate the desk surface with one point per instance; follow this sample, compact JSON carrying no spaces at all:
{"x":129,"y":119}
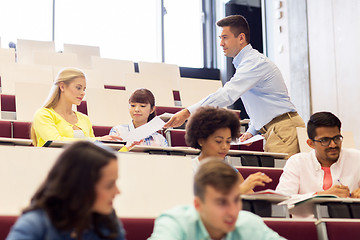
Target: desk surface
{"x":308,"y":207}
{"x":244,"y":152}
{"x":60,"y":144}
{"x":264,"y":197}
{"x":15,"y":141}
{"x":188,"y":150}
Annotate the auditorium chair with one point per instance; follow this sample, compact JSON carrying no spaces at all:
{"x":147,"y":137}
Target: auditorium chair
{"x":136,"y":228}
{"x":293,"y":229}
{"x":273,"y":173}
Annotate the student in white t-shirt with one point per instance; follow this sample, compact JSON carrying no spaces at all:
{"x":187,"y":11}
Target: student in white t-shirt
{"x":211,"y":129}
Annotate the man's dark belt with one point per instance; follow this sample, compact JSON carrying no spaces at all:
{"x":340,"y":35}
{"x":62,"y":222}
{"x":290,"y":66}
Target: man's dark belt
{"x":284,"y":116}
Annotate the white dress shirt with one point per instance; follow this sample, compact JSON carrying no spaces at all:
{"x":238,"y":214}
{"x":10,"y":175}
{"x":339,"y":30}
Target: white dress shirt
{"x":302,"y":173}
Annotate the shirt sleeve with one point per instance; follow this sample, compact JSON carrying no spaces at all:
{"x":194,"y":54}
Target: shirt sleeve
{"x":45,"y":127}
{"x":255,"y":228}
{"x":290,"y":178}
{"x":162,"y":141}
{"x":251,"y":129}
{"x":165,"y":228}
{"x":245,"y":77}
{"x":114,"y":131}
{"x":27,"y":228}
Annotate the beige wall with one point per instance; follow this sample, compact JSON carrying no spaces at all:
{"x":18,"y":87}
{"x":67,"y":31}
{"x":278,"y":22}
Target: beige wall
{"x":334,"y":54}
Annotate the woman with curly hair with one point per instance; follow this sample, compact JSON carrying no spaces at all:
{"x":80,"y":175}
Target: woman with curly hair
{"x":212,"y":129}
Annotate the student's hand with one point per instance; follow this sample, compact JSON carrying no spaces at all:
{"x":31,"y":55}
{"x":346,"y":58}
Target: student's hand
{"x":245,"y":137}
{"x":356,"y":193}
{"x":111,"y":138}
{"x":178,"y":119}
{"x":253,"y":180}
{"x":131,"y":145}
{"x":338,"y":190}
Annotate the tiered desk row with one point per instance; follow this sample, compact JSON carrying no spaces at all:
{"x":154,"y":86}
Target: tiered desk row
{"x":151,"y":179}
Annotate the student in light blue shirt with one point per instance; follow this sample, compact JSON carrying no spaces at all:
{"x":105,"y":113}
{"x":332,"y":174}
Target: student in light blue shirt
{"x":261,"y":87}
{"x":142,"y":110}
{"x":216,"y":214}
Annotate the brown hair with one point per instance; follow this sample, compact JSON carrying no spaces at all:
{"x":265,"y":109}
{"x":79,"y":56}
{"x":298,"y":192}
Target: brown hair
{"x":237,"y":24}
{"x":206,"y":120}
{"x":215,"y":173}
{"x":321,"y":119}
{"x":68,"y":193}
{"x":143,"y":95}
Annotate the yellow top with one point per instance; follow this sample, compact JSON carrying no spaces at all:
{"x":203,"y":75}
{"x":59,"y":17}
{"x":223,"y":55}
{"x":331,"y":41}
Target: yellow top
{"x":49,"y":125}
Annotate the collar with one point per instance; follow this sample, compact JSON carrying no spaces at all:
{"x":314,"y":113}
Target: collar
{"x":237,"y":59}
{"x":204,"y":232}
{"x":316,"y":163}
{"x":131,"y":126}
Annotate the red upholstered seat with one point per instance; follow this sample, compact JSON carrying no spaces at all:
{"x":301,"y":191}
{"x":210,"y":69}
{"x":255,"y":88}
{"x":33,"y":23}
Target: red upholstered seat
{"x":21,"y":130}
{"x":82,"y":107}
{"x":136,"y":228}
{"x":5,"y":224}
{"x":294,"y":230}
{"x":339,"y":230}
{"x":114,"y":87}
{"x":175,"y":137}
{"x":5,"y":129}
{"x":100,"y":131}
{"x":273,"y":173}
{"x":255,"y":146}
{"x":160,"y":110}
{"x":8,"y":103}
{"x":176,"y":95}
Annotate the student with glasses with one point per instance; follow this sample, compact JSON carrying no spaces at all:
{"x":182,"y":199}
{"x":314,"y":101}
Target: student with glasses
{"x":328,"y":168}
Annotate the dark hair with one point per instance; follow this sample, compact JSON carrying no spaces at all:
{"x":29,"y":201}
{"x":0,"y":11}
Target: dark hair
{"x":143,"y":95}
{"x":68,"y":193}
{"x":206,"y":120}
{"x":322,"y":119}
{"x":237,"y":24}
{"x":215,"y":173}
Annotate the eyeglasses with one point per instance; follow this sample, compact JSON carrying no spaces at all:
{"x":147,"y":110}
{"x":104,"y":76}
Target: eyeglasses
{"x":326,"y":141}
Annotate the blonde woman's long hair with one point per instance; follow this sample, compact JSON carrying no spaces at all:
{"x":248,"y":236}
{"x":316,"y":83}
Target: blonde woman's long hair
{"x":65,"y":75}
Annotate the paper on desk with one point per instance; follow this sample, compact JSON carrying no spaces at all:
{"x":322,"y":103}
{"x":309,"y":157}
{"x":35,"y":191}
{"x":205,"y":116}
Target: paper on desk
{"x":143,"y":131}
{"x":250,"y":140}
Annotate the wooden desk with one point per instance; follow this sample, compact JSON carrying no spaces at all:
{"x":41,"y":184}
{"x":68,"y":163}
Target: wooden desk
{"x":165,"y":150}
{"x":15,"y":141}
{"x":318,"y":207}
{"x":265,"y":205}
{"x":59,"y":144}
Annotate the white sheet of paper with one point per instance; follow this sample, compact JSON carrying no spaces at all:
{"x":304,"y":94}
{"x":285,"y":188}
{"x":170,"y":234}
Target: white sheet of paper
{"x":250,"y":140}
{"x":143,"y":131}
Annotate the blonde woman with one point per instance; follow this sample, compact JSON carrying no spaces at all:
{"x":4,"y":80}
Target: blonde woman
{"x":56,"y":120}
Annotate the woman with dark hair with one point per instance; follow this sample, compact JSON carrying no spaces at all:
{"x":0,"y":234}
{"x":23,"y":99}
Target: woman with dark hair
{"x":75,"y":200}
{"x":212,"y":129}
{"x":142,"y":110}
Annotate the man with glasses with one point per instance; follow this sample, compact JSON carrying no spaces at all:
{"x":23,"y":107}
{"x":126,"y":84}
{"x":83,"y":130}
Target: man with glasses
{"x":327,"y":169}
{"x":261,"y":87}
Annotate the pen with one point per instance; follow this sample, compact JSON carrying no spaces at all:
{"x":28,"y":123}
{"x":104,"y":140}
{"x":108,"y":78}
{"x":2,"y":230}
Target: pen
{"x":342,"y":184}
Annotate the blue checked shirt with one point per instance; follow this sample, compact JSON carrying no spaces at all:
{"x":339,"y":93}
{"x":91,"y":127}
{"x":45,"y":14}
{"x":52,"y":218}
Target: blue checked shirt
{"x":260,"y":85}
